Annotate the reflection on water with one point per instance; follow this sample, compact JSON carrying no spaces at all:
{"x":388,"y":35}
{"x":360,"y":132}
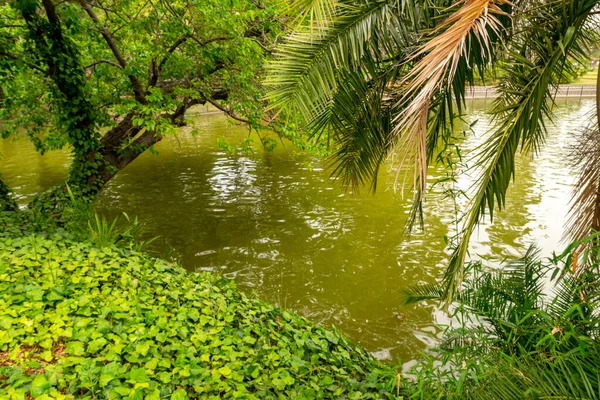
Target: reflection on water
{"x":289,"y":234}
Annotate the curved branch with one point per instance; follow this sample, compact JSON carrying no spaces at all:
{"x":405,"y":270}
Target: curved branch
{"x":114,"y":64}
{"x":137,"y":87}
{"x":228,"y":112}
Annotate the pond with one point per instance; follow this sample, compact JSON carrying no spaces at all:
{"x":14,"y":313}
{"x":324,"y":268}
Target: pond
{"x":284,"y":230}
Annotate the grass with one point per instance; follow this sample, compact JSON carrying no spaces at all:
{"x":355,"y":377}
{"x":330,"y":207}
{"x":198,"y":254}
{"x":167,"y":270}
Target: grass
{"x":589,"y":78}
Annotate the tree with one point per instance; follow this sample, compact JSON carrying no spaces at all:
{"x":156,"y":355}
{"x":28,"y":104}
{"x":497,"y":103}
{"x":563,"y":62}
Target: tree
{"x":381,"y":78}
{"x":111,"y":78}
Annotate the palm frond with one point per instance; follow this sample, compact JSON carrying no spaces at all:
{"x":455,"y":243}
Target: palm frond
{"x":525,"y":97}
{"x":584,"y":216}
{"x":511,"y":343}
{"x":315,"y":13}
{"x":437,"y":63}
{"x":304,"y":73}
{"x":416,"y":294}
{"x":568,"y":376}
{"x":358,"y":107}
{"x":506,"y":294}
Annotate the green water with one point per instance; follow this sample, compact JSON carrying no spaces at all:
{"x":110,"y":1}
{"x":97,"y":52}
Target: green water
{"x":283,"y":229}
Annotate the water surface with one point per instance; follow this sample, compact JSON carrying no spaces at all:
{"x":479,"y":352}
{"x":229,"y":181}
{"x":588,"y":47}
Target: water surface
{"x":283,"y":229}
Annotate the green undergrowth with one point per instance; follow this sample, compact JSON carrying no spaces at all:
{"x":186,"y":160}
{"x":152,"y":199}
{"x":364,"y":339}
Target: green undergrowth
{"x":78,"y":321}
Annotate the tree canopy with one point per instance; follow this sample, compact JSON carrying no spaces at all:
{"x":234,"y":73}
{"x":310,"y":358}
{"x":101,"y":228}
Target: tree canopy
{"x":111,"y":78}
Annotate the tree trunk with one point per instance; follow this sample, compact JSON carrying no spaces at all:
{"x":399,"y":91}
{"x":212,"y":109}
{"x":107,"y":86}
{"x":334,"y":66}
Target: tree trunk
{"x":117,"y":148}
{"x":64,"y":68}
{"x":7,"y":202}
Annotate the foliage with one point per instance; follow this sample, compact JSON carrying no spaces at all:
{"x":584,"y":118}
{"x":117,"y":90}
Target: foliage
{"x":517,"y":337}
{"x":103,"y":233}
{"x":383,"y":79}
{"x":534,"y":68}
{"x":112,"y":78}
{"x":7,"y":202}
{"x":77,"y":321}
{"x":60,"y":211}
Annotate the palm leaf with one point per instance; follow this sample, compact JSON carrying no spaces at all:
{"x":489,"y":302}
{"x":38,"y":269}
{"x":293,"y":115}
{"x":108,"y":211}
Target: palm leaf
{"x":584,"y":216}
{"x":568,"y":376}
{"x":316,"y":13}
{"x":526,"y":96}
{"x":304,"y":73}
{"x":439,"y":59}
{"x":416,"y":294}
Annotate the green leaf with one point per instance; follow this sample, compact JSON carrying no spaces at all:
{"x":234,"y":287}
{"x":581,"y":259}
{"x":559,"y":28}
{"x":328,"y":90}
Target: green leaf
{"x":143,"y":348}
{"x":138,"y":375}
{"x":75,"y":348}
{"x":179,"y":394}
{"x":39,"y":386}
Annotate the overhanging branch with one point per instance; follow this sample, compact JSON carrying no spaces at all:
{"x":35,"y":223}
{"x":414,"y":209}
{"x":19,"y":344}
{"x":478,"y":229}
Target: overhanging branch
{"x":114,"y":64}
{"x":137,"y":87}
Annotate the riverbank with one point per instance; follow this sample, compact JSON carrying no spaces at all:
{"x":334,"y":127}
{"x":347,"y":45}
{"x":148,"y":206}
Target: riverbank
{"x":81,"y":321}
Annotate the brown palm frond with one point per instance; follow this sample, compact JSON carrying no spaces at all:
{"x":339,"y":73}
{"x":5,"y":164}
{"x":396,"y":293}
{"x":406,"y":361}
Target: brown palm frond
{"x":584,"y":215}
{"x":438,"y":61}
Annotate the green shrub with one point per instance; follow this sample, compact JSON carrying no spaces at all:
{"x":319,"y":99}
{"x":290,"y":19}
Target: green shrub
{"x":527,"y":330}
{"x":80,"y":322}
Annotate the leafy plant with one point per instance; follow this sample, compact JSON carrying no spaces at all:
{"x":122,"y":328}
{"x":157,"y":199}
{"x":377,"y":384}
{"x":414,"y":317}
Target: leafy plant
{"x":518,"y":337}
{"x":134,"y":235}
{"x":103,"y":232}
{"x":80,"y":321}
{"x":112,"y":80}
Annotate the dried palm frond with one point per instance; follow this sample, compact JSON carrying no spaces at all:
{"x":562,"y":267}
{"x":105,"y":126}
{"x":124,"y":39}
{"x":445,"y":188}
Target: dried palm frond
{"x":584,"y":217}
{"x":554,"y":38}
{"x":438,"y":62}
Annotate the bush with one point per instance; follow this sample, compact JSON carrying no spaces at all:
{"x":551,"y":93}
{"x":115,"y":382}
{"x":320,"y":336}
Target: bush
{"x":80,"y":322}
{"x":528,"y":330}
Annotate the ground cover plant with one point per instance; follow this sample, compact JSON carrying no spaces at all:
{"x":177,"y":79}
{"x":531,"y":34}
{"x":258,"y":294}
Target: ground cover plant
{"x":79,"y":321}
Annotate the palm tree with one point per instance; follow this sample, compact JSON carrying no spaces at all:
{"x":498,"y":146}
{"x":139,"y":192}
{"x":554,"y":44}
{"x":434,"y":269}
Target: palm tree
{"x":387,"y":78}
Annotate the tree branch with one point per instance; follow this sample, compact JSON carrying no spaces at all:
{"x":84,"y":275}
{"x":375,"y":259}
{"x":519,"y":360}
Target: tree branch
{"x":203,"y":43}
{"x":30,"y":65}
{"x":114,"y":64}
{"x":137,"y":87}
{"x":228,"y":112}
{"x":157,"y":71}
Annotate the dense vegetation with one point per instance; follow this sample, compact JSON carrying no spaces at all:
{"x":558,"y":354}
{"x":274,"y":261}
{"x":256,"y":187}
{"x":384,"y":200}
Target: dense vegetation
{"x":112,"y":78}
{"x":91,"y":319}
{"x":526,"y":330}
{"x":81,"y":321}
{"x":81,"y":317}
{"x":387,"y":79}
